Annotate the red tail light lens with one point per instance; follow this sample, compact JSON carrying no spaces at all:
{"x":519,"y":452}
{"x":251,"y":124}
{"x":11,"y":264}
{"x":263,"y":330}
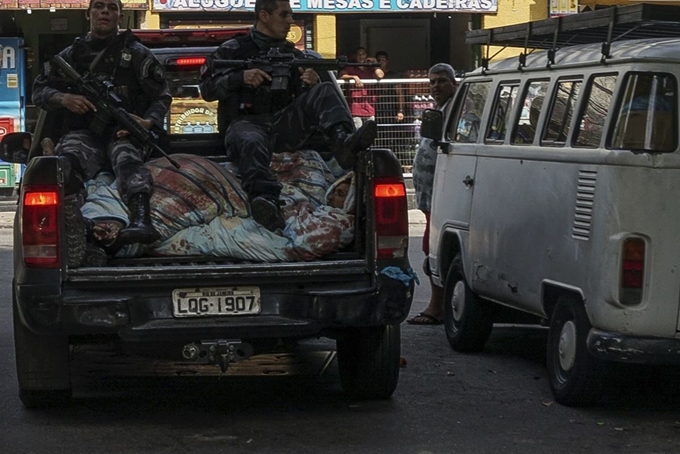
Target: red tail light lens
{"x":40,"y":227}
{"x":632,"y":271}
{"x":633,"y":263}
{"x":391,"y":218}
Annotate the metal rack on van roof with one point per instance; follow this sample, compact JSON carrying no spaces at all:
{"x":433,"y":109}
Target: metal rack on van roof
{"x":603,"y":25}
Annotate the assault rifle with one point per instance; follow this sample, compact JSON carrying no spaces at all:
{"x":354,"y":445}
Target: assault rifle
{"x":108,"y":104}
{"x":278,"y":65}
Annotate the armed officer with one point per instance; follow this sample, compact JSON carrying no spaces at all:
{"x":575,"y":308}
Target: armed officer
{"x":257,"y":121}
{"x":92,"y":143}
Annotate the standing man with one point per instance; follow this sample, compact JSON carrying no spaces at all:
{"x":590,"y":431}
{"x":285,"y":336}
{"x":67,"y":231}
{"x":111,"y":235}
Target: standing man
{"x":391,"y":107}
{"x":139,"y":80}
{"x":442,"y":87}
{"x":361,"y":99}
{"x":257,"y":121}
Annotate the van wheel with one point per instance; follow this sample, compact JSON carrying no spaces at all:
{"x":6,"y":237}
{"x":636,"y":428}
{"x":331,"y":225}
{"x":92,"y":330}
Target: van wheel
{"x":42,"y":367}
{"x":468,"y":319}
{"x":368,"y":361}
{"x":576,"y":376}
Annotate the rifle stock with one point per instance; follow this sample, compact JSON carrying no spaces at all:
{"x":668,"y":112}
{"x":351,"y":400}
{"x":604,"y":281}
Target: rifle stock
{"x":101,"y":95}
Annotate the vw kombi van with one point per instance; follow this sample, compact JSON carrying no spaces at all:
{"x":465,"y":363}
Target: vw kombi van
{"x":557,"y":194}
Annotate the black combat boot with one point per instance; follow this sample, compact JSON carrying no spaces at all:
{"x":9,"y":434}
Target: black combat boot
{"x":140,"y":229}
{"x":267,"y":213}
{"x":346,"y":145}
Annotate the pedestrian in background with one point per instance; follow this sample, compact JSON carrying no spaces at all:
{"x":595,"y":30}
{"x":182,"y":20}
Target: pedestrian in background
{"x":390,"y":114}
{"x":442,"y":87}
{"x":361,"y":98}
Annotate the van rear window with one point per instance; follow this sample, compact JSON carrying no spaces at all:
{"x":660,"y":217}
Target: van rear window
{"x":600,"y":91}
{"x":647,"y":113}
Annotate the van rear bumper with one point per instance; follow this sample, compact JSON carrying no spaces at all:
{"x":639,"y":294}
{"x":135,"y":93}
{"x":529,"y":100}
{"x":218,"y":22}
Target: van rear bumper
{"x":629,"y":349}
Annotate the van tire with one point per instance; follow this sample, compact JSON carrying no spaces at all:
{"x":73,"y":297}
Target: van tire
{"x":43,"y":364}
{"x":576,"y":376}
{"x":368,"y":361}
{"x":468,"y":319}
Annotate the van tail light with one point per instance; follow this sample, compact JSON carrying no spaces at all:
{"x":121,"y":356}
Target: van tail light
{"x":632,"y":271}
{"x":40,"y":226}
{"x":391,"y":218}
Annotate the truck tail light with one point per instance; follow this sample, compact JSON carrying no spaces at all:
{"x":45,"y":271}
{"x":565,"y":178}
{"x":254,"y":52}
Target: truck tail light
{"x":40,"y":226}
{"x":632,"y":271}
{"x":391,"y":218}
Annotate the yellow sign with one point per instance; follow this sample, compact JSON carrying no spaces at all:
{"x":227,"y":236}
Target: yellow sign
{"x":294,"y":34}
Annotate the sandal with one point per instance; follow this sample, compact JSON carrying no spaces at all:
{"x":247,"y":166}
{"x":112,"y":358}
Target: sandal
{"x":425,"y":319}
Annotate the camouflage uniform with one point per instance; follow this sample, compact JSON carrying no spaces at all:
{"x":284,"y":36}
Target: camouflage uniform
{"x":257,"y":122}
{"x":139,"y":81}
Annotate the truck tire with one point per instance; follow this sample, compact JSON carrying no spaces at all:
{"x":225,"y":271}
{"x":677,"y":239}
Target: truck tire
{"x":42,"y":366}
{"x":468,"y":319}
{"x":368,"y":361}
{"x":576,"y":376}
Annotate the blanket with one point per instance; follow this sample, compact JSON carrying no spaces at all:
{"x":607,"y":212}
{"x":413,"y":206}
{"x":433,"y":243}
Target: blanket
{"x":201,"y":209}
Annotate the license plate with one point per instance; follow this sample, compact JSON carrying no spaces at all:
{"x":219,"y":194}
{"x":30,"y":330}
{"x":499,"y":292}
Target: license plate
{"x":203,"y":302}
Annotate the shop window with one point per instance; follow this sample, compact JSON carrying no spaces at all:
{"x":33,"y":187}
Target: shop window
{"x":647,"y":115}
{"x":532,"y":103}
{"x":559,"y":119}
{"x":598,"y":102}
{"x":502,"y":109}
{"x":465,"y":127}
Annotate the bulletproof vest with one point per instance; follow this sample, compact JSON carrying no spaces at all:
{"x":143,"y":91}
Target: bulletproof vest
{"x":114,"y":65}
{"x":260,"y":100}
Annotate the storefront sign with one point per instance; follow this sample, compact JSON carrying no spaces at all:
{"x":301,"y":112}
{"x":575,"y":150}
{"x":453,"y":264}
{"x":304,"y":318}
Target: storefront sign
{"x":563,"y":7}
{"x":64,"y":4}
{"x":335,"y":6}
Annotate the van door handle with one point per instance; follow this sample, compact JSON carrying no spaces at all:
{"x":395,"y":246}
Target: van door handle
{"x":468,"y":181}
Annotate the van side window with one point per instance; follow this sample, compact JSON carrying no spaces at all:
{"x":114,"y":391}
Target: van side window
{"x":500,"y":116}
{"x":525,"y":129}
{"x":647,"y":113}
{"x":468,"y":122}
{"x":559,"y":119}
{"x":599,"y":98}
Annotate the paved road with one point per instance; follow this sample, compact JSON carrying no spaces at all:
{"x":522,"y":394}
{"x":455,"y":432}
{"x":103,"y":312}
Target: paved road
{"x":494,"y":402}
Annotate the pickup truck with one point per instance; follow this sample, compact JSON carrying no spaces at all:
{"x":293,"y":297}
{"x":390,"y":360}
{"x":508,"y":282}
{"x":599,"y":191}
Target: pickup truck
{"x":357,"y":296}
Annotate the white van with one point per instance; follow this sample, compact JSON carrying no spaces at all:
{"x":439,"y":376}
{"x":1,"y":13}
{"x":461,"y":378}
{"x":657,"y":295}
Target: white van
{"x":557,"y":193}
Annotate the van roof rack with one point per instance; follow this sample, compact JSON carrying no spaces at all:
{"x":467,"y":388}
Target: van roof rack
{"x":603,"y":25}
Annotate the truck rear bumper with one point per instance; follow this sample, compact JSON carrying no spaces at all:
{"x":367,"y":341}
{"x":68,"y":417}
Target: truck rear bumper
{"x":642,"y":350}
{"x":150,"y":317}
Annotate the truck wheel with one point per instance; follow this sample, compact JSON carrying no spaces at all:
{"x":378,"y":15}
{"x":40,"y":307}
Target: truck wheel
{"x":576,"y":376}
{"x":42,"y":367}
{"x":368,"y":361}
{"x":468,"y":319}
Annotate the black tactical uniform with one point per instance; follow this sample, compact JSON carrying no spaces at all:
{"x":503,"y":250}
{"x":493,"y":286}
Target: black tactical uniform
{"x":257,"y":122}
{"x":139,"y":81}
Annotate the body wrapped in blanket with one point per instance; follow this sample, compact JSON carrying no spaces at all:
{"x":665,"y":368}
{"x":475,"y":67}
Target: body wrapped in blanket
{"x":201,"y":209}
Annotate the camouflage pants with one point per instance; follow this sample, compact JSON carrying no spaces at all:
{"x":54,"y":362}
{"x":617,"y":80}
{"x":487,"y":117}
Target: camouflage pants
{"x":250,"y":142}
{"x":89,"y":153}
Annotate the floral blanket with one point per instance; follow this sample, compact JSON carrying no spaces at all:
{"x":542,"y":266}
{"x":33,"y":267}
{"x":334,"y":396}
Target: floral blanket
{"x":201,"y":209}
